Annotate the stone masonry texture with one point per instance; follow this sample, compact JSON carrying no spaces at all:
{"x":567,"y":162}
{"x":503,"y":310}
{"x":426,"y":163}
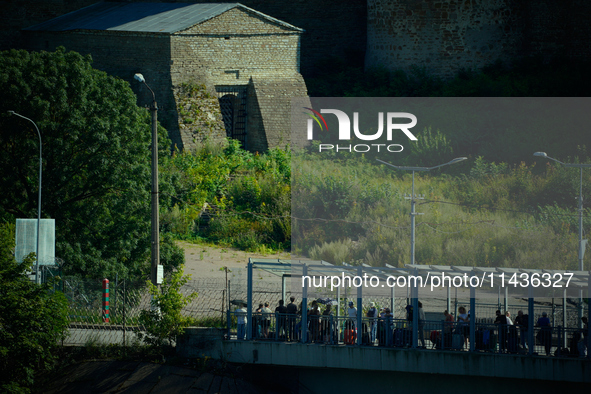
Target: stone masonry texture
{"x":232,"y":49}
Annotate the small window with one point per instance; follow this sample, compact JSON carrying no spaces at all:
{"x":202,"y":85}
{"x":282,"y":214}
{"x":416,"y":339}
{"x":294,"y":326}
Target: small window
{"x":227,"y":38}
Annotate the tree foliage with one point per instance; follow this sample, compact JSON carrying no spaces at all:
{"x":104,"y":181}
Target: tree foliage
{"x":96,"y":159}
{"x":33,"y":319}
{"x":165,"y":322}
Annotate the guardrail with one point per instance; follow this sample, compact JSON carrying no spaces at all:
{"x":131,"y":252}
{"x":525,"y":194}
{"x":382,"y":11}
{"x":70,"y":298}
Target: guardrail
{"x":387,"y":332}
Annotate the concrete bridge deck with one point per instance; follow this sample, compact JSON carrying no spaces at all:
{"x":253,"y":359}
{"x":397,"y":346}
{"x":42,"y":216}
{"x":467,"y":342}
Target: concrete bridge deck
{"x":203,"y":342}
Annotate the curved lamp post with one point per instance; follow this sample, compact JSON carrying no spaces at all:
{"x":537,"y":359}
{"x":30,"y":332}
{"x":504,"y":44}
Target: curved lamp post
{"x":37,"y":278}
{"x":582,"y":242}
{"x":155,"y":219}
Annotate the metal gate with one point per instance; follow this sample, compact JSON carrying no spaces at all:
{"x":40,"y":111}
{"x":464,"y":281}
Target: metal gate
{"x":232,"y":101}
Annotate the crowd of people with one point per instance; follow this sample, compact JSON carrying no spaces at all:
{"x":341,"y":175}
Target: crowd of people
{"x":380,"y":328}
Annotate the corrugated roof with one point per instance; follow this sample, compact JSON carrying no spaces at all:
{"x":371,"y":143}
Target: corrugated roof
{"x":143,"y":17}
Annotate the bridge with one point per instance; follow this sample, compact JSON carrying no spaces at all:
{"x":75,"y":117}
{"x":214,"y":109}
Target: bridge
{"x":348,"y":346}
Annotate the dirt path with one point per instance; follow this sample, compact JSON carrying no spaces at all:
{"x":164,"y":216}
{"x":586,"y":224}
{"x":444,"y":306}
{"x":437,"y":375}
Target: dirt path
{"x":204,"y":261}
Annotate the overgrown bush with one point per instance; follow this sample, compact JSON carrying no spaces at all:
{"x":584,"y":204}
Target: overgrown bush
{"x":165,"y":322}
{"x":248,"y":195}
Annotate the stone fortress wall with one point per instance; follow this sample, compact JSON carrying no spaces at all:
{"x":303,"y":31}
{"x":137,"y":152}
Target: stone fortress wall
{"x":236,"y":49}
{"x":445,"y":35}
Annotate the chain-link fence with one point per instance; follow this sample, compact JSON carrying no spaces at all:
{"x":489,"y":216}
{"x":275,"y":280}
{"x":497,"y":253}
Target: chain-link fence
{"x":127,"y":300}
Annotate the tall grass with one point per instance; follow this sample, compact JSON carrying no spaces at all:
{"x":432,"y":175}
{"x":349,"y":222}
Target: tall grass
{"x":497,"y":216}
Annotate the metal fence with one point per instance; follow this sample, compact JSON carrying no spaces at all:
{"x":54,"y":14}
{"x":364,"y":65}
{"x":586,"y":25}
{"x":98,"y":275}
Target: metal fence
{"x":214,"y":307}
{"x":388,"y":332}
{"x":127,"y":300}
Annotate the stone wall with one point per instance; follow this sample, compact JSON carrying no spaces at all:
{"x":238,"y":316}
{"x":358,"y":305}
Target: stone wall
{"x":444,"y":36}
{"x":273,"y":98}
{"x":199,"y":115}
{"x":232,"y":49}
{"x":240,"y":48}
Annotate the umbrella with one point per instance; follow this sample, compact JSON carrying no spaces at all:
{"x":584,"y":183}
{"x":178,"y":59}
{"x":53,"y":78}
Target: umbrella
{"x":327,"y":301}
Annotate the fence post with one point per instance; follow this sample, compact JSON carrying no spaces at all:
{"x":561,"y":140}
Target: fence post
{"x":106,"y":300}
{"x":124,"y":319}
{"x":229,"y":325}
{"x":472,"y":315}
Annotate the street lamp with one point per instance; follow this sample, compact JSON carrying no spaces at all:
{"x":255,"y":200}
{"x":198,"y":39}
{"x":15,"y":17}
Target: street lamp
{"x":413,"y":197}
{"x":415,"y":290}
{"x":155,"y":219}
{"x":37,"y":278}
{"x":582,"y":242}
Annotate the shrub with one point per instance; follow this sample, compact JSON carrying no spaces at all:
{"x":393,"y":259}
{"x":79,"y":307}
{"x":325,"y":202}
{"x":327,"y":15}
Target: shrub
{"x":165,"y":322}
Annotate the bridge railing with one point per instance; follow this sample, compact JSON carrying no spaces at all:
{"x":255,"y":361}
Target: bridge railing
{"x":397,"y":333}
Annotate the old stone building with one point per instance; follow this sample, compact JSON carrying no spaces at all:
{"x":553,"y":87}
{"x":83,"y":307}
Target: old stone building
{"x":217,"y":68}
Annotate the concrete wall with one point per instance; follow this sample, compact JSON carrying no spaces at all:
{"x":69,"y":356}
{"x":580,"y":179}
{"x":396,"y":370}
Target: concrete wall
{"x":209,"y":342}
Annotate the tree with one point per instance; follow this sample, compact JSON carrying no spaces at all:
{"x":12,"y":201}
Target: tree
{"x":96,"y":159}
{"x":165,"y":322}
{"x":33,"y":319}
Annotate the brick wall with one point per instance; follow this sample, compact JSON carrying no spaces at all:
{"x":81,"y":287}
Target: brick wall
{"x":273,"y":109}
{"x":233,"y":47}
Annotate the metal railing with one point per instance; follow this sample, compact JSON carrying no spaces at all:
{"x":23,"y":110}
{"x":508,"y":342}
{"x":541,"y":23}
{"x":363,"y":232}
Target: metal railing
{"x":387,"y":332}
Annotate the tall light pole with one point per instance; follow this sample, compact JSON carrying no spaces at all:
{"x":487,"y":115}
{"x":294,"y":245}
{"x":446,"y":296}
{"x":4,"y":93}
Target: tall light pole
{"x":413,"y":197}
{"x":582,"y":242}
{"x":415,"y":290}
{"x":37,"y":278}
{"x":155,"y":219}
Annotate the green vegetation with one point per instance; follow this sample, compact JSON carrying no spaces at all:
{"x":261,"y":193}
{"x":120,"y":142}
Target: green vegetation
{"x":96,"y":160}
{"x":33,"y":319}
{"x":165,"y":322}
{"x":230,"y":196}
{"x":488,"y":215}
